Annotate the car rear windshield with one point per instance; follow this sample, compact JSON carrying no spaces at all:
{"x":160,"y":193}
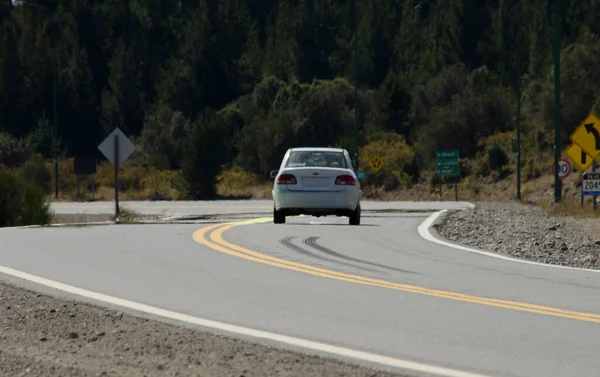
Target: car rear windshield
{"x":316,"y":159}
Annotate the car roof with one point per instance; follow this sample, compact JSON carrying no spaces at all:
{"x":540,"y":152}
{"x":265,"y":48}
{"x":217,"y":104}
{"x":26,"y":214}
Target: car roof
{"x":317,"y":149}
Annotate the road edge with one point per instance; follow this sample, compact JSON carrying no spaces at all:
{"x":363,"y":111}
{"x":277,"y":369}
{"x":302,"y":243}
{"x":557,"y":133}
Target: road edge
{"x":428,"y":231}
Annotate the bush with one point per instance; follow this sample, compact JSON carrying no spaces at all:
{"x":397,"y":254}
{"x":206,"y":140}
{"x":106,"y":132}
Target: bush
{"x":458,"y":121}
{"x":400,"y":167}
{"x":496,"y":157}
{"x":13,"y":151}
{"x":237,"y":182}
{"x":276,"y":117}
{"x":21,"y":202}
{"x":206,"y":150}
{"x":531,"y":170}
{"x":164,"y":184}
{"x":131,"y":176}
{"x":506,"y":140}
{"x":163,"y":137}
{"x":36,"y":172}
{"x":236,"y":177}
{"x":67,"y":180}
{"x":579,"y":80}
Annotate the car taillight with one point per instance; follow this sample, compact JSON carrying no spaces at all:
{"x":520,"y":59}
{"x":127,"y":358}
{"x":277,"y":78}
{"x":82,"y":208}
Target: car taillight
{"x":346,"y":180}
{"x":286,"y":179}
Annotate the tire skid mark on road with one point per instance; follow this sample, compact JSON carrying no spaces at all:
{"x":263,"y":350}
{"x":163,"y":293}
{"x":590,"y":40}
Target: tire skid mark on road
{"x":212,"y":237}
{"x":312,"y":242}
{"x":287,"y":241}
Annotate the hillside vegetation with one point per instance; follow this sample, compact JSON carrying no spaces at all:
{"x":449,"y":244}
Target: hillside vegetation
{"x":213,"y":92}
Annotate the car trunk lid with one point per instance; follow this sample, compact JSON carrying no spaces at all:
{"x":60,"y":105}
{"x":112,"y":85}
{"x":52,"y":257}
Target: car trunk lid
{"x":316,"y":179}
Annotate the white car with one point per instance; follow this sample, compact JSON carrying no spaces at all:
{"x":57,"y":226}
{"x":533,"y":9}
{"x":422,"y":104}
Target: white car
{"x":317,"y":182}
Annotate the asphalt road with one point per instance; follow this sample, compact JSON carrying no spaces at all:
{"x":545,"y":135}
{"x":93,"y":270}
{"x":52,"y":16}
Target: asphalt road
{"x":379,"y":288}
{"x":185,"y":209}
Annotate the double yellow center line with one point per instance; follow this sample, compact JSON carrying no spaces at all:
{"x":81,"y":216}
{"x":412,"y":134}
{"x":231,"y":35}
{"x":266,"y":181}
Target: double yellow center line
{"x":212,"y":237}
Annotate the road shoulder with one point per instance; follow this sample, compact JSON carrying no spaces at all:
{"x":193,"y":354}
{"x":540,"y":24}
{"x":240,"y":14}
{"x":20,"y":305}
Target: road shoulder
{"x":524,"y":232}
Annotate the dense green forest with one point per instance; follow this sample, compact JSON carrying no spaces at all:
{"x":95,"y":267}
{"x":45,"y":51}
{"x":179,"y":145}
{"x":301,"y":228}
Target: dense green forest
{"x":202,"y":84}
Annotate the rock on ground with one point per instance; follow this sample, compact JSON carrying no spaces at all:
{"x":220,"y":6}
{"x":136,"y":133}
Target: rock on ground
{"x":526,"y":232}
{"x":44,"y":336}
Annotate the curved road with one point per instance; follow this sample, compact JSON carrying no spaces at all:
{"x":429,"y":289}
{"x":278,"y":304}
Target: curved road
{"x":379,"y":288}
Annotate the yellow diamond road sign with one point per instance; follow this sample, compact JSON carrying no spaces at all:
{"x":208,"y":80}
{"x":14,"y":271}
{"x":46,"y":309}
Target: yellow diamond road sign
{"x":376,"y":163}
{"x":579,"y":157}
{"x":587,"y":135}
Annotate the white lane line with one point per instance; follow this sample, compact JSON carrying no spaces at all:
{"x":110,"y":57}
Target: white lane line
{"x":244,"y":331}
{"x":424,"y":231}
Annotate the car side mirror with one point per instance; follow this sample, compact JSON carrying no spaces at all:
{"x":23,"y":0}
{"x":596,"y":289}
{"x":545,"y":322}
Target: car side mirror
{"x":274,"y":173}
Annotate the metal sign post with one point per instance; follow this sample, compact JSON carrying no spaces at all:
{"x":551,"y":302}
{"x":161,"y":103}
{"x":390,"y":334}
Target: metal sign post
{"x":456,"y":188}
{"x":594,"y":196}
{"x":116,"y":137}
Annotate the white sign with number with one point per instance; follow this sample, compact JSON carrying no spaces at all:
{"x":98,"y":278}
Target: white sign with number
{"x":591,"y":184}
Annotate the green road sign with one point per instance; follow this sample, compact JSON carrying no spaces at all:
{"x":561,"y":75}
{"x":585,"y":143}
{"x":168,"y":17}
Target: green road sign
{"x":447,"y":155}
{"x":448,"y":171}
{"x":447,"y":162}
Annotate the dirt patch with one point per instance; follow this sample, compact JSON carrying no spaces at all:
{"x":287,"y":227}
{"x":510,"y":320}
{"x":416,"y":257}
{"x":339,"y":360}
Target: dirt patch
{"x":78,"y":218}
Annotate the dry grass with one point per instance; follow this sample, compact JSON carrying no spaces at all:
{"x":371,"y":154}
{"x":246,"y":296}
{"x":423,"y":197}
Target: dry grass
{"x":262,"y":191}
{"x":585,"y":217}
{"x":570,"y":207}
{"x":136,"y":182}
{"x":238,"y":183}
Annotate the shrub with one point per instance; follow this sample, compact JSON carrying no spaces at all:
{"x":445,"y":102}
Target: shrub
{"x":236,"y":177}
{"x":206,"y":150}
{"x":131,"y":176}
{"x":458,"y":116}
{"x":162,"y":137}
{"x":399,"y":162}
{"x":496,"y":157}
{"x":163,"y":184}
{"x":506,"y":140}
{"x":22,"y":202}
{"x":67,"y":180}
{"x":481,"y":169}
{"x":13,"y":151}
{"x":36,"y":172}
{"x":468,"y":182}
{"x":237,"y":182}
{"x":531,"y":170}
{"x":277,"y":117}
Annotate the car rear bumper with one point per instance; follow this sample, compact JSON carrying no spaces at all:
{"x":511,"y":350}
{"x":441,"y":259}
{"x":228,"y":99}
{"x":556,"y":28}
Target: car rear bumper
{"x":308,"y":202}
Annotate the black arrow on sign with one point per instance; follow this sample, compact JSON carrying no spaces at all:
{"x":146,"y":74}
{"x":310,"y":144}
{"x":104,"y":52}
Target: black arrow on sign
{"x":592,"y":130}
{"x":583,"y":157}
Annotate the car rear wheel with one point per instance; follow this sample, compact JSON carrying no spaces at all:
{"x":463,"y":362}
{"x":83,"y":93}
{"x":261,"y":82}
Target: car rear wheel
{"x":355,"y":216}
{"x":278,"y":217}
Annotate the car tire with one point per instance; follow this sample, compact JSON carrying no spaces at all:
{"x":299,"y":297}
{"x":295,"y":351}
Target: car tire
{"x":355,"y":216}
{"x":278,"y":217}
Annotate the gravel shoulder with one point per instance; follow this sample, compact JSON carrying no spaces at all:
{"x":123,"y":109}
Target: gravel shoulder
{"x":526,"y":232}
{"x":43,"y":336}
